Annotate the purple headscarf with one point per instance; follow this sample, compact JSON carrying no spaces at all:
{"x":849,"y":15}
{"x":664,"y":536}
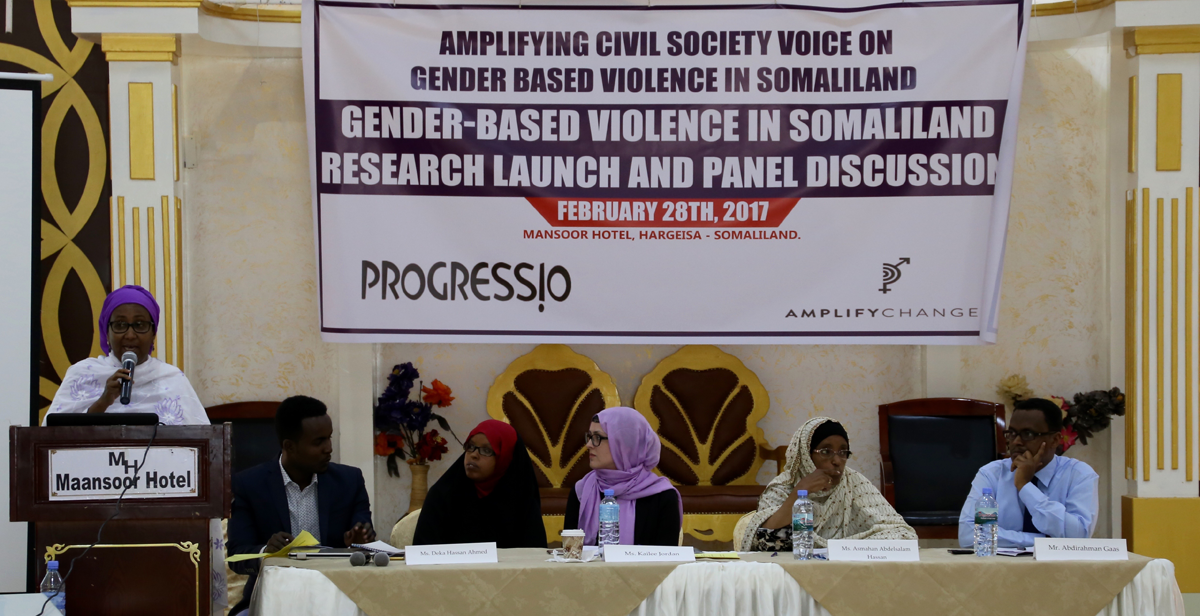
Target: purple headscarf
{"x":128,"y":294}
{"x":635,"y":449}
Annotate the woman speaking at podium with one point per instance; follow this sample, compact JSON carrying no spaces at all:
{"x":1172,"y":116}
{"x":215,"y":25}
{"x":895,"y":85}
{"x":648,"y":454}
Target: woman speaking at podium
{"x":129,"y":322}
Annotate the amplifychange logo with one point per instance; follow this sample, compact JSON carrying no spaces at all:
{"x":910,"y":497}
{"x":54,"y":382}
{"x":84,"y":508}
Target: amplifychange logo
{"x":444,"y":281}
{"x":886,"y":313}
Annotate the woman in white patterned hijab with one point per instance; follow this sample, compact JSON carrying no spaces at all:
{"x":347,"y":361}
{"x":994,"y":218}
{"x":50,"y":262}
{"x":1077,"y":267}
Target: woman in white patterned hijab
{"x":847,"y":505}
{"x":128,"y":324}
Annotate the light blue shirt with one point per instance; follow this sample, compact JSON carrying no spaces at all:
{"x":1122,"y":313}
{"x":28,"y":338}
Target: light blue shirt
{"x":1064,"y":507}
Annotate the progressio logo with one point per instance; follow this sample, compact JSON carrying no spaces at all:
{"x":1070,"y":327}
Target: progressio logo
{"x":891,"y":273}
{"x":414,"y":281}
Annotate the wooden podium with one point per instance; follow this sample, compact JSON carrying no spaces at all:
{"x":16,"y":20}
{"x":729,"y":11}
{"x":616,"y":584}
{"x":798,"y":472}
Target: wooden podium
{"x":153,"y":558}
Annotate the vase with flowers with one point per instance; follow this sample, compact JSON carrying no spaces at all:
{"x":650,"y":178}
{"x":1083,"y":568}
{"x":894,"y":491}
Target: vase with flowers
{"x":400,"y":426}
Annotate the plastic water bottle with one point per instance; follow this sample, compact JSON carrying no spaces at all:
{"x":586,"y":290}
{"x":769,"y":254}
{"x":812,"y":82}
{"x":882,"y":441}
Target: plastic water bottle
{"x":610,"y":520}
{"x":986,"y":515}
{"x":53,"y":587}
{"x":802,"y":527}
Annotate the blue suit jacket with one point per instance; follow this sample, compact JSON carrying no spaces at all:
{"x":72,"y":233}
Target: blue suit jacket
{"x":260,"y":509}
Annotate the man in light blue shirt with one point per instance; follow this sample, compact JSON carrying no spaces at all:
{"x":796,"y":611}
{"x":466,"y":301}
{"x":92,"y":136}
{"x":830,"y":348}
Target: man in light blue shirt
{"x":1039,"y":494}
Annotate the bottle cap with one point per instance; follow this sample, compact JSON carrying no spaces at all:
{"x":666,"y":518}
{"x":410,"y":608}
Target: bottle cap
{"x":801,"y":492}
{"x":608,"y":493}
{"x":987,"y":491}
{"x":52,"y":565}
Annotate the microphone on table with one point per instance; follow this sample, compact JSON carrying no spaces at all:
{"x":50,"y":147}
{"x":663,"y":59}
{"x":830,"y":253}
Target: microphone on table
{"x":359,"y":559}
{"x":128,"y":362}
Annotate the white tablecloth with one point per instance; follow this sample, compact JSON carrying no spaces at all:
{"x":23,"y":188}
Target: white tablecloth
{"x":702,"y":589}
{"x":26,"y":604}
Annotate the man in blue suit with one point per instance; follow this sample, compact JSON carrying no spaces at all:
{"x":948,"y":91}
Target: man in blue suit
{"x":274,"y":501}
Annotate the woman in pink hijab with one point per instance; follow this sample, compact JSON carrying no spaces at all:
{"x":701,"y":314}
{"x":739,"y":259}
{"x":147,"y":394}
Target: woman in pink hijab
{"x":622,"y":451}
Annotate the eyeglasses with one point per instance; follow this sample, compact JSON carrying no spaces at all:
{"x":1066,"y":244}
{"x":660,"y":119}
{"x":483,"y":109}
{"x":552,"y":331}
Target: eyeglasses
{"x":140,"y":327}
{"x":484,"y":451}
{"x":595,"y":438}
{"x":828,"y":454}
{"x":1026,"y":435}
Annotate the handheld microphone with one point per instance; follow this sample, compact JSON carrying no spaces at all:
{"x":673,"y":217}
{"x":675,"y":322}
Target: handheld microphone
{"x":128,"y":362}
{"x":381,"y":559}
{"x":358,"y":559}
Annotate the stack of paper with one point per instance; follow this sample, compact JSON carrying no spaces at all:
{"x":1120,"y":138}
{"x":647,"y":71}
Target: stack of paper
{"x":304,"y":540}
{"x":379,"y":546}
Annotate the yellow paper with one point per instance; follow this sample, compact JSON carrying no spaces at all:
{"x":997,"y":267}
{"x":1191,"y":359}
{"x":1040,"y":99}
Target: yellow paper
{"x":718,"y":555}
{"x":303,"y":541}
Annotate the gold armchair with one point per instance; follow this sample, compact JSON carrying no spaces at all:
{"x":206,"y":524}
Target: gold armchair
{"x":705,"y":405}
{"x":549,"y":396}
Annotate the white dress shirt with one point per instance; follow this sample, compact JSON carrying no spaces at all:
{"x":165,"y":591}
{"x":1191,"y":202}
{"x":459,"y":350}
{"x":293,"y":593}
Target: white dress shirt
{"x":1063,"y":504}
{"x":302,"y":505}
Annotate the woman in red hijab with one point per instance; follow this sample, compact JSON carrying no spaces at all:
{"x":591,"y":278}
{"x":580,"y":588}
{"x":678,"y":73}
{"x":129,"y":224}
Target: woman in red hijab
{"x":489,"y":494}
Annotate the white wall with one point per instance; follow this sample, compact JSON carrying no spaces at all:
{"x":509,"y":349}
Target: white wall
{"x":16,"y":278}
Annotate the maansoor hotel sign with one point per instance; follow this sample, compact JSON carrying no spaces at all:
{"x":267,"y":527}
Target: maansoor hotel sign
{"x":102,"y":473}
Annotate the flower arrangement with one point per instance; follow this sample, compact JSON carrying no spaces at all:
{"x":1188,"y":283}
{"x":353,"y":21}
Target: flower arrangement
{"x":1093,"y":411}
{"x":400,"y":420}
{"x":1014,"y":388}
{"x":1083,"y":416}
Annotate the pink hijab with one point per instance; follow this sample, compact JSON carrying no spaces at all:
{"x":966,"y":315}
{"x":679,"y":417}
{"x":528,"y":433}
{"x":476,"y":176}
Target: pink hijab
{"x":635,"y":450}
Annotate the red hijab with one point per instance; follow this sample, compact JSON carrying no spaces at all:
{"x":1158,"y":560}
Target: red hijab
{"x":502,"y":438}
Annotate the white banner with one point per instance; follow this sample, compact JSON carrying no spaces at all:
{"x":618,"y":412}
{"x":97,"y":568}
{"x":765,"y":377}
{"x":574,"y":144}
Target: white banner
{"x":667,"y":173}
{"x":101,"y":473}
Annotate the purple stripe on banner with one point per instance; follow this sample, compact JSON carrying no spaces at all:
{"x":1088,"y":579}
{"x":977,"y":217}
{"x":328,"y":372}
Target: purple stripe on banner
{"x":654,"y":151}
{"x":650,"y":7}
{"x":680,"y":334}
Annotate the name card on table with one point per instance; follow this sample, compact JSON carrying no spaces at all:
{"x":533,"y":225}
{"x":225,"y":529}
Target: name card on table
{"x":1045,"y":548}
{"x":858,"y":550}
{"x":450,"y":554}
{"x":649,"y":554}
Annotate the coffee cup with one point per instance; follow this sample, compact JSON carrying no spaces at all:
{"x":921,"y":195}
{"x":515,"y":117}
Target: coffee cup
{"x":572,"y":542}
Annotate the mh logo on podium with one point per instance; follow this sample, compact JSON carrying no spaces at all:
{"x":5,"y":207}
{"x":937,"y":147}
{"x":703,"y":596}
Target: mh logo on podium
{"x":117,"y":458}
{"x":891,"y":273}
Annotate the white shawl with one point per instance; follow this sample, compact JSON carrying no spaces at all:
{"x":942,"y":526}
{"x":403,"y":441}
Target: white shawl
{"x":158,"y":388}
{"x":852,"y":509}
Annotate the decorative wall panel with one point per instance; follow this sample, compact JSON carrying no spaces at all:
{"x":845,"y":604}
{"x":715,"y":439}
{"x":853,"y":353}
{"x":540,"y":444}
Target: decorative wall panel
{"x":75,"y":180}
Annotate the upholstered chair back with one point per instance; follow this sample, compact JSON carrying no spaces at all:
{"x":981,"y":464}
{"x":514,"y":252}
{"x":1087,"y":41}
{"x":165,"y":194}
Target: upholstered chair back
{"x":931,"y":449}
{"x":705,"y":405}
{"x":550,"y":396}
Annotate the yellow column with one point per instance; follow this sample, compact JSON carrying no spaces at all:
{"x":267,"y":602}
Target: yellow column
{"x":147,"y":231}
{"x":1162,"y":248}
